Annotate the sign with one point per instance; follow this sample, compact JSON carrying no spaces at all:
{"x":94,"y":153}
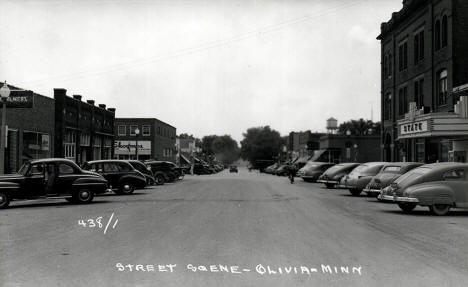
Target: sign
{"x":128,"y":147}
{"x":20,"y":99}
{"x":413,"y":128}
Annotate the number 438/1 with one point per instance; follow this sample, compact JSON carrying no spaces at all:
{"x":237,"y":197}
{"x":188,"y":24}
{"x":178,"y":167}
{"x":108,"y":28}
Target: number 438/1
{"x":91,"y":222}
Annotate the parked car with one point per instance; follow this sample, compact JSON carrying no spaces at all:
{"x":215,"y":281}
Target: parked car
{"x":51,"y":178}
{"x":270,"y":169}
{"x":144,"y":169}
{"x":387,"y":175}
{"x":358,"y":179}
{"x":439,"y":186}
{"x":123,"y":178}
{"x":165,"y":171}
{"x":332,"y":176}
{"x":312,"y":170}
{"x":233,"y":168}
{"x":282,"y":170}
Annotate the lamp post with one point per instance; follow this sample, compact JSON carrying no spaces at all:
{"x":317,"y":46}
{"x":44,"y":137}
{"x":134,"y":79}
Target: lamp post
{"x":348,"y":145}
{"x":355,"y":152}
{"x":4,"y":93}
{"x":137,"y":132}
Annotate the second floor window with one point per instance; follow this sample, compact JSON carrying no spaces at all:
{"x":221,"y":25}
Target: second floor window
{"x":121,"y":130}
{"x":403,"y":101}
{"x":403,"y":56}
{"x":132,"y":130}
{"x":145,"y":130}
{"x":419,"y":47}
{"x":444,"y":32}
{"x":437,"y":35}
{"x":388,"y":106}
{"x":442,"y":88}
{"x":419,"y":92}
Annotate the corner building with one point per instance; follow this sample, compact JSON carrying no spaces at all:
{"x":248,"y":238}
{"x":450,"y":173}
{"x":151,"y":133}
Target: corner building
{"x":424,"y":82}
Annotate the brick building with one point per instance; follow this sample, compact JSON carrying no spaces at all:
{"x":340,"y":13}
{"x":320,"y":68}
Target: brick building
{"x":30,"y":128}
{"x":424,"y":72}
{"x":302,"y":144}
{"x":83,"y":131}
{"x":156,"y":139}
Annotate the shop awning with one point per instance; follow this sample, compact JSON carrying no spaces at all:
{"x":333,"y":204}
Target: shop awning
{"x":184,"y":160}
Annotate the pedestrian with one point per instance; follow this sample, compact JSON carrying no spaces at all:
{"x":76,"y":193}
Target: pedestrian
{"x":291,"y":172}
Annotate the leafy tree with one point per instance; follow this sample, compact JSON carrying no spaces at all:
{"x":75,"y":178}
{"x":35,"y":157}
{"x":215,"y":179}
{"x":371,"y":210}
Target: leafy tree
{"x":186,"y":136}
{"x":260,"y":144}
{"x":222,"y":148}
{"x":360,"y":127}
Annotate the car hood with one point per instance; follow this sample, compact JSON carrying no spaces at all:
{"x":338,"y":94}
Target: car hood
{"x":7,"y":177}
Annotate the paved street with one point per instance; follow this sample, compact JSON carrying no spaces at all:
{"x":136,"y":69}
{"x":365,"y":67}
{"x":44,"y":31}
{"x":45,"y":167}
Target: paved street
{"x":246,"y":225}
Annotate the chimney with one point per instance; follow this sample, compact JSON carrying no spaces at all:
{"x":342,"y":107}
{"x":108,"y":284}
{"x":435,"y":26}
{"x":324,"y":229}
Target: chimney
{"x":60,"y":93}
{"x":91,"y":102}
{"x":112,"y":110}
{"x":77,"y":97}
{"x":102,"y":106}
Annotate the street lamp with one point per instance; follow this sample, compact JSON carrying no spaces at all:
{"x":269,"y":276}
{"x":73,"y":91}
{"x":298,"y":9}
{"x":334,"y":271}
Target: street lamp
{"x":4,"y":93}
{"x":137,"y":132}
{"x":355,"y":152}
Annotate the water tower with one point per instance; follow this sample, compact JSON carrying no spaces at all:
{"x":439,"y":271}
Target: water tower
{"x":332,"y":125}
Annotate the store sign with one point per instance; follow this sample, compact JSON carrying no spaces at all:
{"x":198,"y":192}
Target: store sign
{"x":20,"y":99}
{"x":128,"y":147}
{"x":413,"y":128}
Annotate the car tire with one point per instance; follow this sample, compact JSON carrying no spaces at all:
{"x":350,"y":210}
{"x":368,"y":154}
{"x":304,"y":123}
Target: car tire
{"x":355,"y":192}
{"x":83,"y":196}
{"x":407,"y":207}
{"x":4,"y":200}
{"x":439,"y":209}
{"x":159,"y":179}
{"x":126,"y":188}
{"x":330,"y":185}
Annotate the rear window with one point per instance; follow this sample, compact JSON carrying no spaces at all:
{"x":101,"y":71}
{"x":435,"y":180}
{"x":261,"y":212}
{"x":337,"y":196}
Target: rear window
{"x":412,"y":175}
{"x":360,"y":168}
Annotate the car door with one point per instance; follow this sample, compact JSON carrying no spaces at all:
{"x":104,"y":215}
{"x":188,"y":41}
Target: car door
{"x":456,"y":180}
{"x":34,"y":183}
{"x":111,"y":173}
{"x":66,"y":176}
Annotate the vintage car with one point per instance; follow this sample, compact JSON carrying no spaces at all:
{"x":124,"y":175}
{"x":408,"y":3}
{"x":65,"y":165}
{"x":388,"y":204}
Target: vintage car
{"x":440,"y":186}
{"x":123,"y":178}
{"x":166,"y":171}
{"x":387,"y":175}
{"x":332,"y":176}
{"x":358,"y":179}
{"x":270,"y":169}
{"x":312,"y":170}
{"x":144,"y":169}
{"x":282,"y":170}
{"x":51,"y":178}
{"x":233,"y":168}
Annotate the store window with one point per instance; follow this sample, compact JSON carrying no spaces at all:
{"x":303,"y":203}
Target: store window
{"x":85,"y":139}
{"x":107,"y":148}
{"x":97,"y":148}
{"x":442,"y":88}
{"x":420,"y":150}
{"x":35,"y":145}
{"x":69,"y":145}
{"x":444,"y":150}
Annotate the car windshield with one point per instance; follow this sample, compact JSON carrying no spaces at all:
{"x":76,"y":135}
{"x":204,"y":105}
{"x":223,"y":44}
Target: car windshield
{"x":391,"y":169}
{"x":335,"y":168}
{"x":359,"y":169}
{"x":412,"y":175}
{"x":24,"y":169}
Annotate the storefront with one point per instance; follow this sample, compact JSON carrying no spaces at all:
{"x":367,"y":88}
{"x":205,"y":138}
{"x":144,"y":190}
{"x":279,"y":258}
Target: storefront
{"x":434,"y":137}
{"x":126,"y":149}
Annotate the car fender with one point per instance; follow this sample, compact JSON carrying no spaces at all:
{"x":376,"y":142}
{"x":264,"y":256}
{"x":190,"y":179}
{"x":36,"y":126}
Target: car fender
{"x":9,"y":187}
{"x":431,"y":193}
{"x":97,"y":184}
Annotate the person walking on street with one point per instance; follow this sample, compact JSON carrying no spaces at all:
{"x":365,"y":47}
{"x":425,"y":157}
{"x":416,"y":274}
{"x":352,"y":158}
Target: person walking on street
{"x":291,"y":172}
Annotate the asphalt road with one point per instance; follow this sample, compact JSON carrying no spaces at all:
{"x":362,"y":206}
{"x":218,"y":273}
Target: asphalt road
{"x":241,"y":228}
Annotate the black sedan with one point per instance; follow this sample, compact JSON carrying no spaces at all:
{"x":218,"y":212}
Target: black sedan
{"x":144,"y":169}
{"x":51,"y":178}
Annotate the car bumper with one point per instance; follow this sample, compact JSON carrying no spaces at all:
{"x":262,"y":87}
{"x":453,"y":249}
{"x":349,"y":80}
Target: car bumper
{"x":395,"y":198}
{"x":328,"y":181}
{"x":372,"y":191}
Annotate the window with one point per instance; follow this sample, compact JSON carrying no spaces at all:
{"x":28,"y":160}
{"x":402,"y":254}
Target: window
{"x":132,"y":130}
{"x":455,"y":174}
{"x":145,"y":130}
{"x":389,"y":62}
{"x":385,"y":66}
{"x":159,"y":130}
{"x":65,"y":169}
{"x":121,"y":130}
{"x":37,"y":169}
{"x":403,"y":100}
{"x":419,"y":47}
{"x":403,"y":56}
{"x":124,"y":167}
{"x":85,"y":139}
{"x":69,"y":145}
{"x":419,"y":93}
{"x":388,"y":106}
{"x":442,"y":88}
{"x":444,"y":32}
{"x":110,"y":167}
{"x":437,"y":35}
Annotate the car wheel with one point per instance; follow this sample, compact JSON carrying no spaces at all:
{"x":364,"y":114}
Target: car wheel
{"x":159,"y":179}
{"x":4,"y":200}
{"x":407,"y":207}
{"x":126,"y":188}
{"x":83,"y":196}
{"x":355,"y":192}
{"x":330,"y":185}
{"x":439,"y":209}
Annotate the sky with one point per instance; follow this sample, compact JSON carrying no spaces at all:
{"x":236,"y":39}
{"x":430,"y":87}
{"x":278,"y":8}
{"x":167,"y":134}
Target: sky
{"x":205,"y":67}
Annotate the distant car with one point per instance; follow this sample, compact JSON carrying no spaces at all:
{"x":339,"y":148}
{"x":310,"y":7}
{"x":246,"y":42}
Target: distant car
{"x":165,"y":171}
{"x":51,"y":178}
{"x":387,"y":175}
{"x":144,"y":169}
{"x":282,"y":170}
{"x":123,"y":178}
{"x":270,"y":169}
{"x":332,"y":176}
{"x":312,"y":170}
{"x":233,"y":168}
{"x":358,"y":179}
{"x":440,"y":186}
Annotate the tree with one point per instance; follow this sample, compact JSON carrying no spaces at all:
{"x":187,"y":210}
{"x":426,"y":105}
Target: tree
{"x":222,"y":148}
{"x":360,"y":127}
{"x":260,"y":144}
{"x":186,"y":136}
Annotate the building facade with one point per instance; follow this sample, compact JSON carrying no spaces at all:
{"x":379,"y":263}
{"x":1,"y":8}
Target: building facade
{"x":424,"y":72}
{"x":302,"y":144}
{"x":83,"y":131}
{"x":155,"y":140}
{"x":30,"y":125}
{"x":354,"y":148}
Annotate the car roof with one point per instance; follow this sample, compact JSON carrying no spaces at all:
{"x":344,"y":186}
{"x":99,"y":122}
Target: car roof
{"x":402,"y":163}
{"x":374,"y":163}
{"x":46,"y":160}
{"x":445,"y":165}
{"x":108,"y":160}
